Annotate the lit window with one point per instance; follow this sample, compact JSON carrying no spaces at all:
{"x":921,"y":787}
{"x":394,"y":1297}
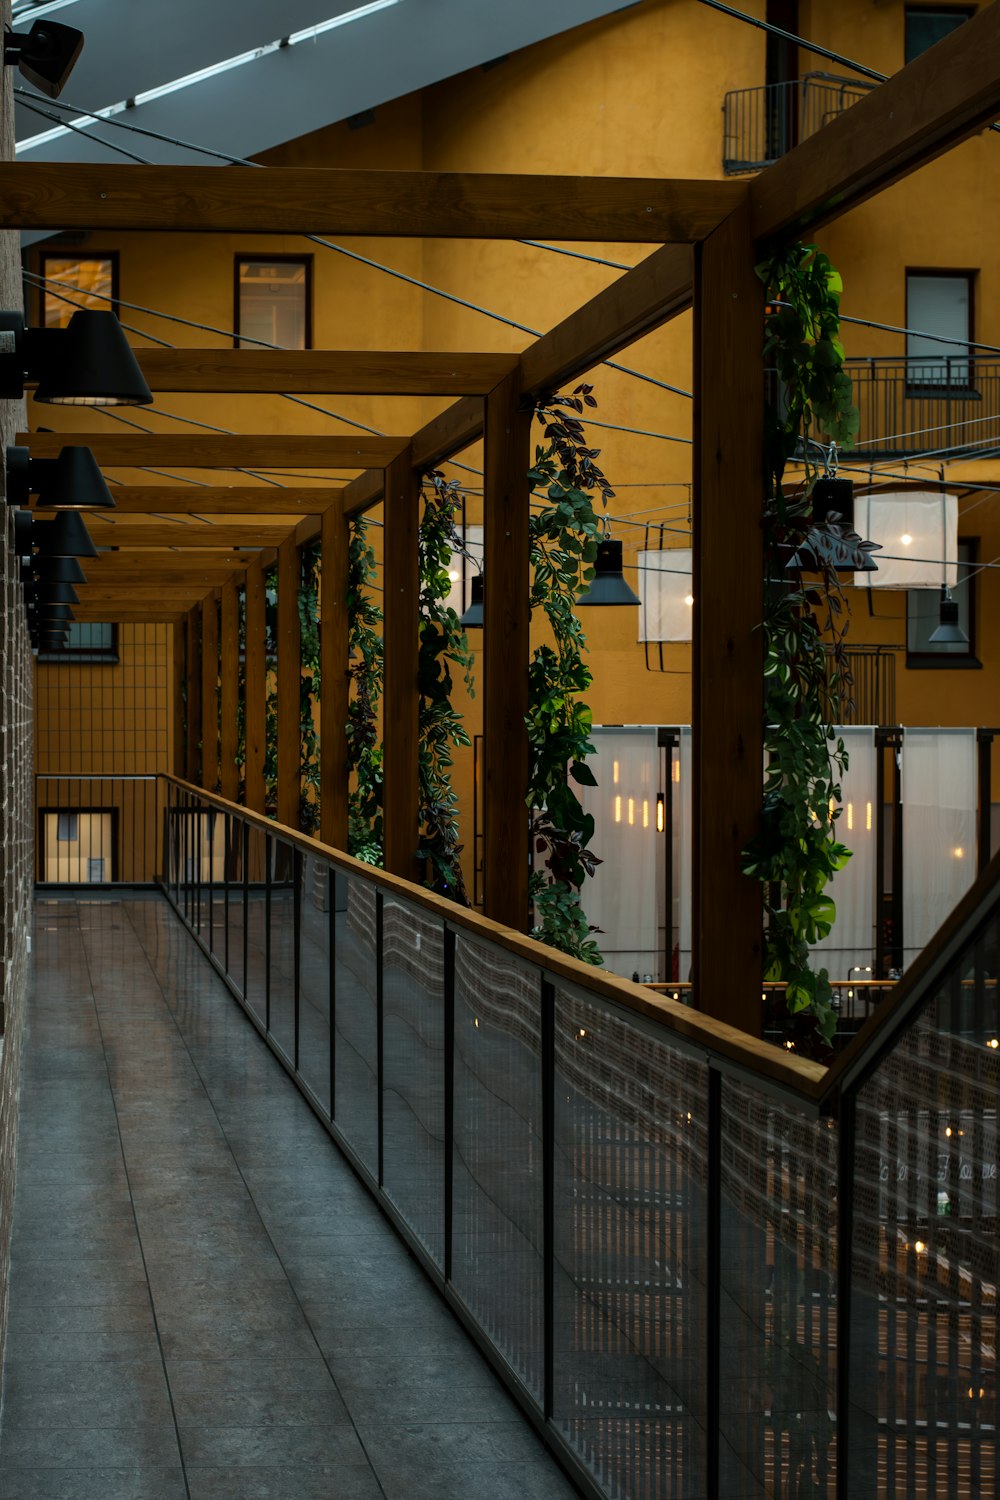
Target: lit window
{"x":72,"y":281}
{"x":273,"y":301}
{"x":924,"y":27}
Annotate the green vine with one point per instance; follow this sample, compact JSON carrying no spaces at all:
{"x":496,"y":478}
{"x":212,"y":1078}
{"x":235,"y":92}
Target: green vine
{"x":443,"y":643}
{"x":364,"y":747}
{"x":563,"y":539}
{"x":310,"y":687}
{"x":807,"y":676}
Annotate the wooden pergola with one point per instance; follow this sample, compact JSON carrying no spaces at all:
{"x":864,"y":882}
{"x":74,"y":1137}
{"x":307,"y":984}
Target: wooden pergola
{"x":712,"y":235}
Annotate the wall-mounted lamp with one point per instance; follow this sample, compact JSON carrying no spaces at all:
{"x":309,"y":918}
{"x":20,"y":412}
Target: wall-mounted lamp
{"x":473,"y":617}
{"x":45,"y":55}
{"x":58,"y":570}
{"x":52,"y":593}
{"x":608,"y":585}
{"x":72,"y":481}
{"x":66,"y":535}
{"x":87,"y":363}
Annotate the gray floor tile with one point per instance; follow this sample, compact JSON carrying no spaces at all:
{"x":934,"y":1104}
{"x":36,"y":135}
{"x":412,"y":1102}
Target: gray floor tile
{"x":82,"y":1447}
{"x":301,"y":1481}
{"x":21,"y":1483}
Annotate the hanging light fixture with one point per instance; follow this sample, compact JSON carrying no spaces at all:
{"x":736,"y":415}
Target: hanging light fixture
{"x":87,"y":363}
{"x":917,"y":531}
{"x":473,"y":617}
{"x":45,"y":55}
{"x":666,"y":598}
{"x":608,"y":585}
{"x":949,"y":632}
{"x":71,"y":481}
{"x":66,"y":535}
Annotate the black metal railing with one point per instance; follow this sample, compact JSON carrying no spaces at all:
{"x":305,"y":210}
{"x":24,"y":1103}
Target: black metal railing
{"x":926,"y":404}
{"x":761,"y":124}
{"x":701,"y":1267}
{"x":98,"y":830}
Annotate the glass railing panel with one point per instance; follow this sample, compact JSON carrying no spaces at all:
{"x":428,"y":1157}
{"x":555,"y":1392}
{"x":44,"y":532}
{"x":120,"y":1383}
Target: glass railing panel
{"x":498,"y":1215}
{"x":356,"y":1013}
{"x":413,"y":1069}
{"x":256,"y":893}
{"x":315,"y":956}
{"x":778,"y":1309}
{"x":923,"y":1305}
{"x":630,"y":1223}
{"x":281,"y":949}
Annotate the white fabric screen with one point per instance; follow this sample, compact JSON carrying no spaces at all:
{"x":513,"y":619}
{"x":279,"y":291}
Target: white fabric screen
{"x":918,"y":533}
{"x":940,"y":793}
{"x":622,"y":898}
{"x":473,"y":541}
{"x":665,"y":599}
{"x":851,"y":944}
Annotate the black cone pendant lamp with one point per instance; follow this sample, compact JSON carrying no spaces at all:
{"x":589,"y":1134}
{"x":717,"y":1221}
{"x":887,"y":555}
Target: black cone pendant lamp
{"x":608,"y":585}
{"x":473,"y":617}
{"x":949,"y":632}
{"x":87,"y":363}
{"x":71,"y":481}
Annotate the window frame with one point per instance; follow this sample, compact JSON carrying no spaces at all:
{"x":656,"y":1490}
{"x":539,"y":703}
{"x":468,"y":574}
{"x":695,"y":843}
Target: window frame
{"x":114,"y":256}
{"x":970,"y":275}
{"x":962,"y":661}
{"x":966,"y":12}
{"x":241,"y":258}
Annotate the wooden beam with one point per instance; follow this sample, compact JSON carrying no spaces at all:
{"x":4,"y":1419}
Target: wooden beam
{"x":401,"y":643}
{"x":229,"y":695}
{"x":728,"y":663}
{"x":255,"y":704}
{"x":319,"y":372}
{"x":309,"y":200}
{"x":195,"y":537}
{"x":506,"y":647}
{"x":657,"y":290}
{"x":335,"y":699}
{"x":939,"y":99}
{"x":289,"y":685}
{"x":224,"y":500}
{"x":122,"y":614}
{"x":226,"y":450}
{"x":210,"y":693}
{"x":193,"y":675}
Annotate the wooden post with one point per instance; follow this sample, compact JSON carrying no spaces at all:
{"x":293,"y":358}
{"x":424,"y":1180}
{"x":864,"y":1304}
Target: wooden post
{"x":193,"y":670}
{"x":255,"y":707}
{"x":401,"y":638}
{"x":728,"y":665}
{"x":289,"y":684}
{"x":505,"y":651}
{"x":229,"y":692}
{"x":210,"y":692}
{"x":333,"y":648}
{"x":178,"y":744}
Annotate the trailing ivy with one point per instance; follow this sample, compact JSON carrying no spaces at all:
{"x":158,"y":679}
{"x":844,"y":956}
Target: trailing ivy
{"x":564,"y":535}
{"x":310,"y":687}
{"x":364,"y":748}
{"x":796,"y":852}
{"x":443,"y":644}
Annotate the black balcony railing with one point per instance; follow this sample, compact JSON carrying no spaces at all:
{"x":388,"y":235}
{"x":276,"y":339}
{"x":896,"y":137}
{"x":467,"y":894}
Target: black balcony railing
{"x":762,"y":124}
{"x":926,"y":404}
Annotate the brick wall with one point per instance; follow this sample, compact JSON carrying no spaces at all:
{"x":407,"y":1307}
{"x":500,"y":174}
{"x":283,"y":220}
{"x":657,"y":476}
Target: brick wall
{"x":16,"y":766}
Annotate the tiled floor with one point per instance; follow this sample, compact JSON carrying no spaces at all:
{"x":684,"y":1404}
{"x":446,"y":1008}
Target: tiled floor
{"x":204,"y":1300}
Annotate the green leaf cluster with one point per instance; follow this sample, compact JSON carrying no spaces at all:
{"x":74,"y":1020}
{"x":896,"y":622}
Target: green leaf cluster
{"x":364,"y":746}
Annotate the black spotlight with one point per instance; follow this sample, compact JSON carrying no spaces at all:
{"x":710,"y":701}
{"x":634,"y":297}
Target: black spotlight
{"x":87,"y":363}
{"x":58,"y":570}
{"x":72,"y":481}
{"x":949,"y":632}
{"x":45,"y":55}
{"x":473,"y":617}
{"x":66,"y":535}
{"x":608,"y":585}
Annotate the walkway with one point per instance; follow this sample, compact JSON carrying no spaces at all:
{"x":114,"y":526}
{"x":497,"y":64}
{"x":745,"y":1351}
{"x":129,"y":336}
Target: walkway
{"x":205,"y":1302}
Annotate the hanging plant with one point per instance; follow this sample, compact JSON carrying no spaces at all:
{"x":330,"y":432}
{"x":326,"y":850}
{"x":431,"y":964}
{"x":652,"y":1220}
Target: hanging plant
{"x":364,"y":748}
{"x":806,"y":620}
{"x":443,"y":644}
{"x":563,"y":539}
{"x":310,"y":688}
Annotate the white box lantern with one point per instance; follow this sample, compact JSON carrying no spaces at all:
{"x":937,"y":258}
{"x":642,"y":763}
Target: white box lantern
{"x":665,"y":594}
{"x":472,"y":539}
{"x":918,"y":533}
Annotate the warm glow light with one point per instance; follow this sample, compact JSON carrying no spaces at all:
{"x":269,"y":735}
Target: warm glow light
{"x":618,"y":809}
{"x":906,"y":539}
{"x":661,"y":812}
{"x":477,"y":1023}
{"x":958,"y":853}
{"x":614,"y":772}
{"x":689,"y":600}
{"x":677,"y":770}
{"x":920,"y":1247}
{"x":453,"y":574}
{"x":868,"y":816}
{"x":850,"y":815}
{"x":631,"y":811}
{"x":583,"y":1031}
{"x":947,"y":1130}
{"x":645,"y":812}
{"x":789,"y":1046}
{"x":993,"y":1042}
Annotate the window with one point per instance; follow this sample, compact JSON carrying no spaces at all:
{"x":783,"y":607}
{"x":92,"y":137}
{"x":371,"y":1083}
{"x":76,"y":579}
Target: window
{"x":923,"y":26}
{"x":83,"y":281}
{"x":923,"y":616}
{"x":67,"y":828}
{"x":86,"y":642}
{"x":274,"y":301}
{"x":940,"y":303}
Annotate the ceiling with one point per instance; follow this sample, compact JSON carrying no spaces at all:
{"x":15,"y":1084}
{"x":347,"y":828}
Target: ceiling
{"x":380,"y":51}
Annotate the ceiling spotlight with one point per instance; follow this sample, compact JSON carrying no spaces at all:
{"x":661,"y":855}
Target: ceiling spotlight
{"x":473,"y":617}
{"x":45,"y":55}
{"x":949,"y":632}
{"x":66,"y":535}
{"x":608,"y":585}
{"x":72,"y":481}
{"x":87,"y":363}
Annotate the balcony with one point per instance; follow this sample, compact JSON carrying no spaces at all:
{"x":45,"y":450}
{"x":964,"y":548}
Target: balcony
{"x":762,"y":124}
{"x":923,"y":405}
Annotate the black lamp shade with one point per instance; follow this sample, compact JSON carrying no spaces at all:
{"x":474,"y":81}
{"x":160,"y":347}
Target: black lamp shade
{"x":59,"y":570}
{"x":45,"y":55}
{"x":833,"y":497}
{"x":64,"y":536}
{"x":72,"y":481}
{"x":949,"y":632}
{"x":23,"y":532}
{"x":50,"y":593}
{"x":92,"y":365}
{"x":52,"y":614}
{"x":608,"y":585}
{"x":473,"y":617}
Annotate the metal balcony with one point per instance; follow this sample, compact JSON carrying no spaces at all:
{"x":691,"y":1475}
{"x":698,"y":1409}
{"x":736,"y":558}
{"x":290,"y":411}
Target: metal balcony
{"x":762,"y":124}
